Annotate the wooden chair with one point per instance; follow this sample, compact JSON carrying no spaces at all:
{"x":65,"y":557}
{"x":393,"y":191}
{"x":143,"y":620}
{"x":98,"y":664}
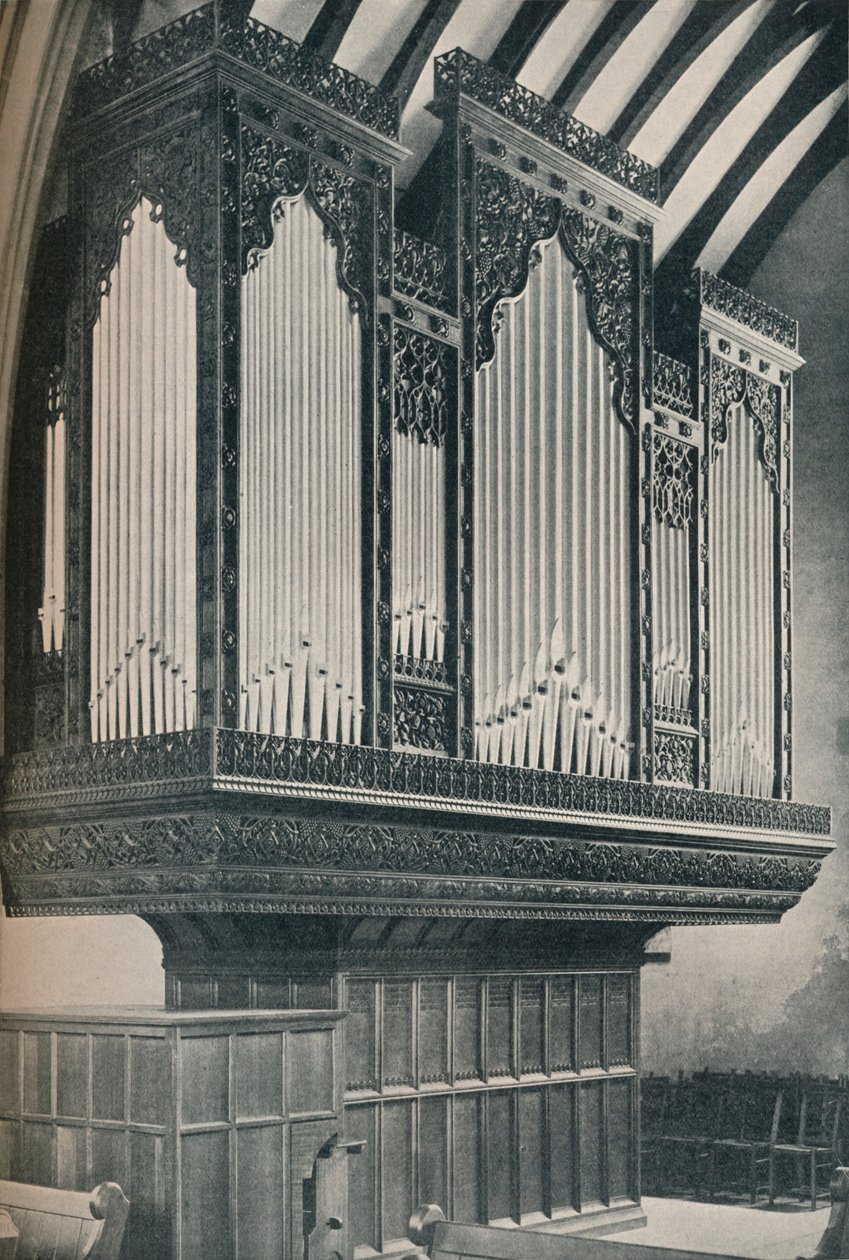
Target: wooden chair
{"x":692,"y":1124}
{"x":655,"y":1092}
{"x":743,"y":1156}
{"x":815,"y":1150}
{"x":65,"y":1224}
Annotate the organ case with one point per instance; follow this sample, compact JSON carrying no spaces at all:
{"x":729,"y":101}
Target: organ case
{"x":402,"y":597}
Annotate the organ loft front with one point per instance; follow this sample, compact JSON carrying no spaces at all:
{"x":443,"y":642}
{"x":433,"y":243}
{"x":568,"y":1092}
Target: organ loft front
{"x":401,"y":627}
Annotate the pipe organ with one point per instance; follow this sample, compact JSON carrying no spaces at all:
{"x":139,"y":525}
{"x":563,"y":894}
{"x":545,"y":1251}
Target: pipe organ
{"x":392,"y":623}
{"x":142,"y":675}
{"x":554,"y":498}
{"x":300,"y":487}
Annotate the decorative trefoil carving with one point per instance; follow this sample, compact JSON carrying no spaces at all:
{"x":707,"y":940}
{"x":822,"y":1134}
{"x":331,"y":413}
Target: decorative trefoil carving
{"x":421,"y":269}
{"x":421,"y":718}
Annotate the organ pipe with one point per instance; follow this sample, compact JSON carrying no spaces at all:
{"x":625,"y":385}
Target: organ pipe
{"x":742,"y":616}
{"x":553,"y":616}
{"x":52,"y":610}
{"x":143,"y":501}
{"x":300,"y":472}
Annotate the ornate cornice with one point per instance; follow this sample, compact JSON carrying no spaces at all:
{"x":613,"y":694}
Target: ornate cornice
{"x":384,"y":869}
{"x":260,"y":47}
{"x":92,"y":771}
{"x":726,"y":299}
{"x":458,"y":73}
{"x":730,"y":384}
{"x":512,"y":217}
{"x":247,"y":761}
{"x":145,"y":61}
{"x":273,"y":170}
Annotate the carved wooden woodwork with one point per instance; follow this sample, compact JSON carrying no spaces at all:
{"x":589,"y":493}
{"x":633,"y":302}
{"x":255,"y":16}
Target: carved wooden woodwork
{"x":424,"y":690}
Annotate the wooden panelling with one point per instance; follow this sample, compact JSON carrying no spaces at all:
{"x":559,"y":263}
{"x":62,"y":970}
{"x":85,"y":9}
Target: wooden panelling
{"x":480,"y":1104}
{"x":189,"y":1113}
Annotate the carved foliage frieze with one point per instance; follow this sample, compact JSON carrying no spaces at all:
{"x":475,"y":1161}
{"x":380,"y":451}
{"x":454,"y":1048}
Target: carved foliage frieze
{"x":95,"y":771}
{"x":265,"y":758}
{"x":152,"y":759}
{"x":420,"y":269}
{"x":511,"y":218}
{"x":273,"y":171}
{"x":422,"y":386}
{"x":231,"y":840}
{"x":421,"y":718}
{"x":672,"y":385}
{"x":730,"y":384}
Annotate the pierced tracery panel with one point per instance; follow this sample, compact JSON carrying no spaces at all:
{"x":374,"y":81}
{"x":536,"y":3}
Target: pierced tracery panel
{"x":300,"y":629}
{"x":143,"y":499}
{"x":553,"y":499}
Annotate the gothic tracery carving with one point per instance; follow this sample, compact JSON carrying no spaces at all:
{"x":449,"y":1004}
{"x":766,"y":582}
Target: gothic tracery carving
{"x":730,"y":385}
{"x":511,"y":218}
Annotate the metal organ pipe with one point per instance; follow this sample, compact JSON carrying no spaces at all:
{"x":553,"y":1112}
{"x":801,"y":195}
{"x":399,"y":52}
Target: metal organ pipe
{"x":553,"y":624}
{"x":299,"y":537}
{"x":143,"y":499}
{"x":742,"y":625}
{"x":52,"y":610}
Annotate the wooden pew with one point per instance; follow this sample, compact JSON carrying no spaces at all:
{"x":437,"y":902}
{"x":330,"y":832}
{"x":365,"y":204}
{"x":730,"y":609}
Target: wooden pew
{"x":64,"y":1224}
{"x":446,"y":1240}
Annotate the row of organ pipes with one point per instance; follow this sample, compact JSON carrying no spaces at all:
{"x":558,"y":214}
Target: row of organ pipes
{"x":553,"y":497}
{"x":143,"y":494}
{"x":300,"y":601}
{"x":742,"y":614}
{"x":553,"y":493}
{"x":418,"y":546}
{"x":51,"y":613}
